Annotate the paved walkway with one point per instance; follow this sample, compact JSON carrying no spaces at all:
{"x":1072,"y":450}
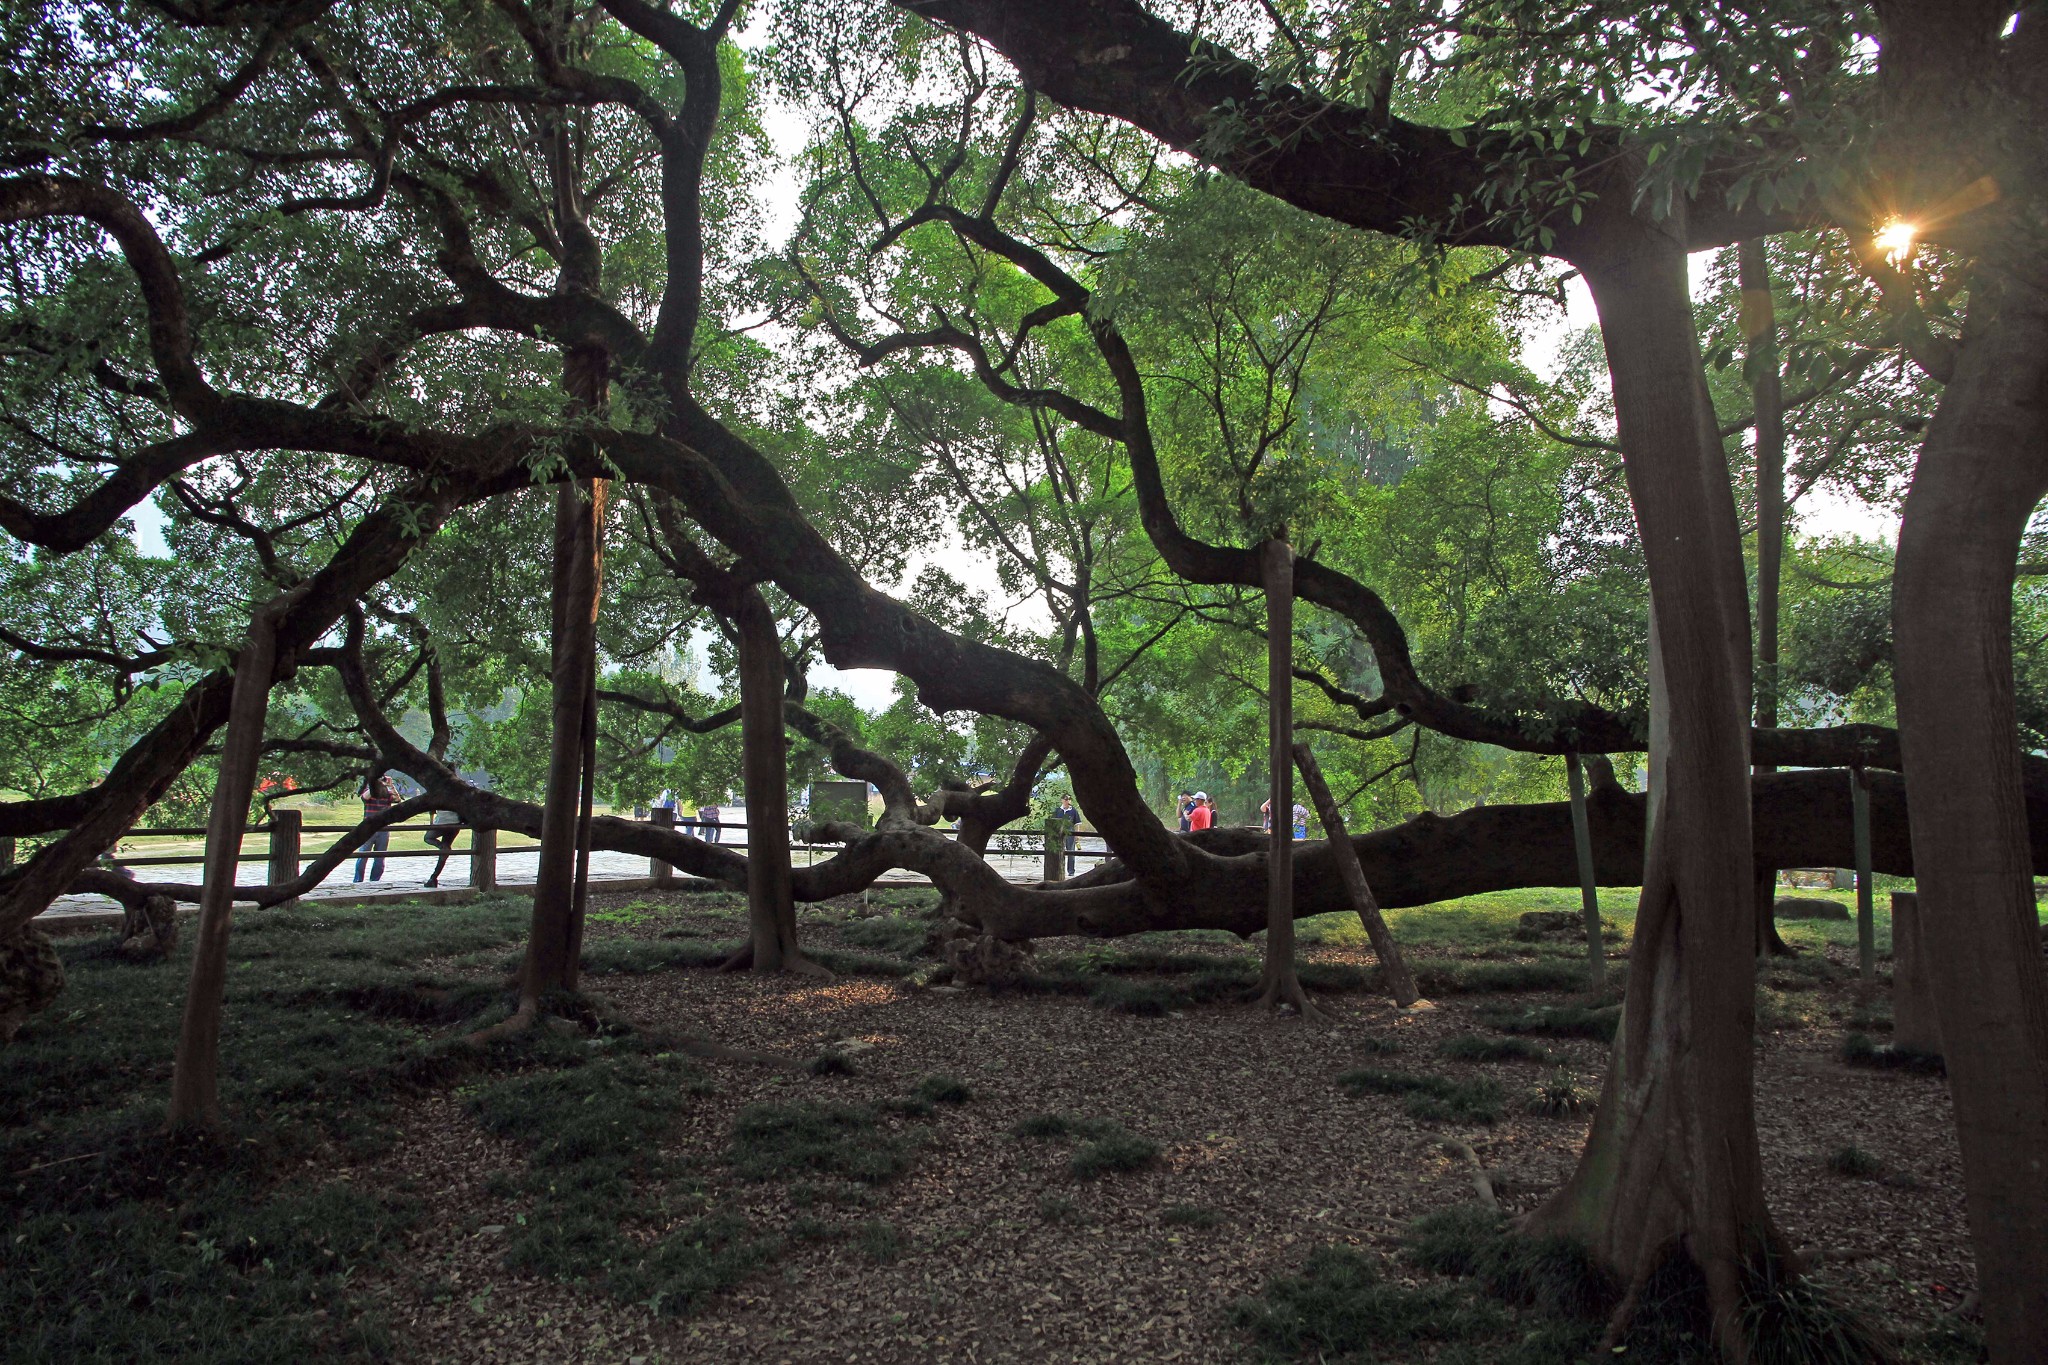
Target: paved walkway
{"x":516,"y":871}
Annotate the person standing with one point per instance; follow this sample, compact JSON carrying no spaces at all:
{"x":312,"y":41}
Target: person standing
{"x":707,"y":818}
{"x":446,"y":825}
{"x":1203,"y":816}
{"x":1186,"y":805}
{"x":1068,"y":813}
{"x":379,"y":795}
{"x":1300,"y":821}
{"x":1266,"y":815}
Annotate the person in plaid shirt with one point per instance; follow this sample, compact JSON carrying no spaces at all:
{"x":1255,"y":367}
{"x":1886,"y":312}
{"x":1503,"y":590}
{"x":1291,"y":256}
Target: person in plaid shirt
{"x":379,"y":795}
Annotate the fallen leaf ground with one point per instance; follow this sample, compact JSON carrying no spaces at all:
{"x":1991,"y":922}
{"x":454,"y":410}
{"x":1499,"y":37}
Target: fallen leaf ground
{"x":974,"y":1244}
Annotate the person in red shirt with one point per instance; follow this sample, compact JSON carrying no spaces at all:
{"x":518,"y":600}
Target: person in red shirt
{"x":1203,"y":816}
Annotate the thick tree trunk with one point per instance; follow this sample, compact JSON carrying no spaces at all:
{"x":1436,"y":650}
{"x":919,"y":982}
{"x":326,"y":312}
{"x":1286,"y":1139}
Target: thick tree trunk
{"x":1759,"y":319}
{"x":1393,"y":967}
{"x":1983,"y":468}
{"x":771,"y":904}
{"x":1278,"y":984}
{"x":195,"y":1076}
{"x":553,"y":941}
{"x":1672,"y":1164}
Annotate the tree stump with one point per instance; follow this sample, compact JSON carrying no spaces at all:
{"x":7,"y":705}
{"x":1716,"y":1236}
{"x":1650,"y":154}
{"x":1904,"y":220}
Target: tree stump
{"x":31,"y":976}
{"x":150,"y":929}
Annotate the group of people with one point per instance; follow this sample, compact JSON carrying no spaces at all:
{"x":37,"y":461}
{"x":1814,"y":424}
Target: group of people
{"x":380,"y":794}
{"x":1198,"y":812}
{"x":705,"y":821}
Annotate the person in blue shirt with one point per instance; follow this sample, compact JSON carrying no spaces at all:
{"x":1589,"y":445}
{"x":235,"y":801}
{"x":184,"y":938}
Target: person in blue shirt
{"x":1068,"y":813}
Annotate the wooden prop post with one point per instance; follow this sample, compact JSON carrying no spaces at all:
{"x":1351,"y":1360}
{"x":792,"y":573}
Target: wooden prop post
{"x":660,"y":873}
{"x":1589,"y":884}
{"x":195,"y":1074}
{"x":483,"y":858}
{"x":1866,"y":913}
{"x":1400,"y":981}
{"x":287,"y":836}
{"x":1279,"y":985}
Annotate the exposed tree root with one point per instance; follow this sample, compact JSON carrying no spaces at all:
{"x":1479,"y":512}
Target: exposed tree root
{"x":792,"y":961}
{"x":1285,"y":990}
{"x":1482,"y":1181}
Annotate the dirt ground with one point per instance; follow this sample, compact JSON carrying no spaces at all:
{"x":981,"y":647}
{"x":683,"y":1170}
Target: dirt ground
{"x":989,"y":1250}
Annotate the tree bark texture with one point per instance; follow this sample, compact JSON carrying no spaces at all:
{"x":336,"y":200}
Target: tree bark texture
{"x":1672,"y":1163}
{"x":1393,"y":967}
{"x":1758,"y":318}
{"x":195,"y":1075}
{"x":1278,"y":984}
{"x":555,"y":936}
{"x":771,"y":907}
{"x":1982,"y":469}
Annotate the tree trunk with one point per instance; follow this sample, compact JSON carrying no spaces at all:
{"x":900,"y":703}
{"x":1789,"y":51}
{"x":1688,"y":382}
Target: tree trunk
{"x":1278,"y":985}
{"x":1672,"y":1164}
{"x":1589,"y":880}
{"x":1393,"y":967}
{"x":1759,"y":321}
{"x":771,"y":904}
{"x":553,"y":942}
{"x":195,"y":1076}
{"x":1980,"y":473}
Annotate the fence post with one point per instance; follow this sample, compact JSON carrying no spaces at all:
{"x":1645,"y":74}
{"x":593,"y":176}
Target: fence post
{"x":660,"y":873}
{"x":6,"y":852}
{"x":1055,"y":849}
{"x":483,"y":858}
{"x":286,"y":836}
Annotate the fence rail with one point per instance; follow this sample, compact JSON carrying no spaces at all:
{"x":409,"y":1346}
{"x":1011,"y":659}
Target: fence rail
{"x":284,"y":853}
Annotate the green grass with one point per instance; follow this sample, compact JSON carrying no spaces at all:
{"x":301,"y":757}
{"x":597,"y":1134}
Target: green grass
{"x":770,"y":1141}
{"x":1597,"y":1022}
{"x":1476,"y":1099}
{"x":125,"y":1244}
{"x":943,"y":1090}
{"x":1340,"y":1308}
{"x":1472,"y":1047}
{"x":1190,"y":1216}
{"x":1116,"y":1152}
{"x":891,"y":934}
{"x":1854,"y":1162}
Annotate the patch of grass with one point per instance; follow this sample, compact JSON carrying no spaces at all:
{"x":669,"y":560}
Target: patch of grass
{"x":1381,"y":1045}
{"x":1560,"y":1096}
{"x":890,"y":934}
{"x":1551,"y":1274}
{"x":1059,"y":1126}
{"x":124,"y":1243}
{"x":1793,"y":1321}
{"x":640,"y":957}
{"x":1471,"y":1047}
{"x":908,"y":1106}
{"x":860,"y":964}
{"x":1115,"y":1152}
{"x":1854,"y":1162}
{"x":773,"y":1140}
{"x":1190,"y":1216}
{"x":607,"y":1109}
{"x":1558,"y":1021}
{"x":943,"y":1090}
{"x":879,"y":1241}
{"x":1057,"y":1208}
{"x":688,"y":1266}
{"x":1859,"y":1049}
{"x":1476,"y":1099}
{"x":1339,"y":1307}
{"x":1438,"y":977}
{"x":832,"y":1062}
